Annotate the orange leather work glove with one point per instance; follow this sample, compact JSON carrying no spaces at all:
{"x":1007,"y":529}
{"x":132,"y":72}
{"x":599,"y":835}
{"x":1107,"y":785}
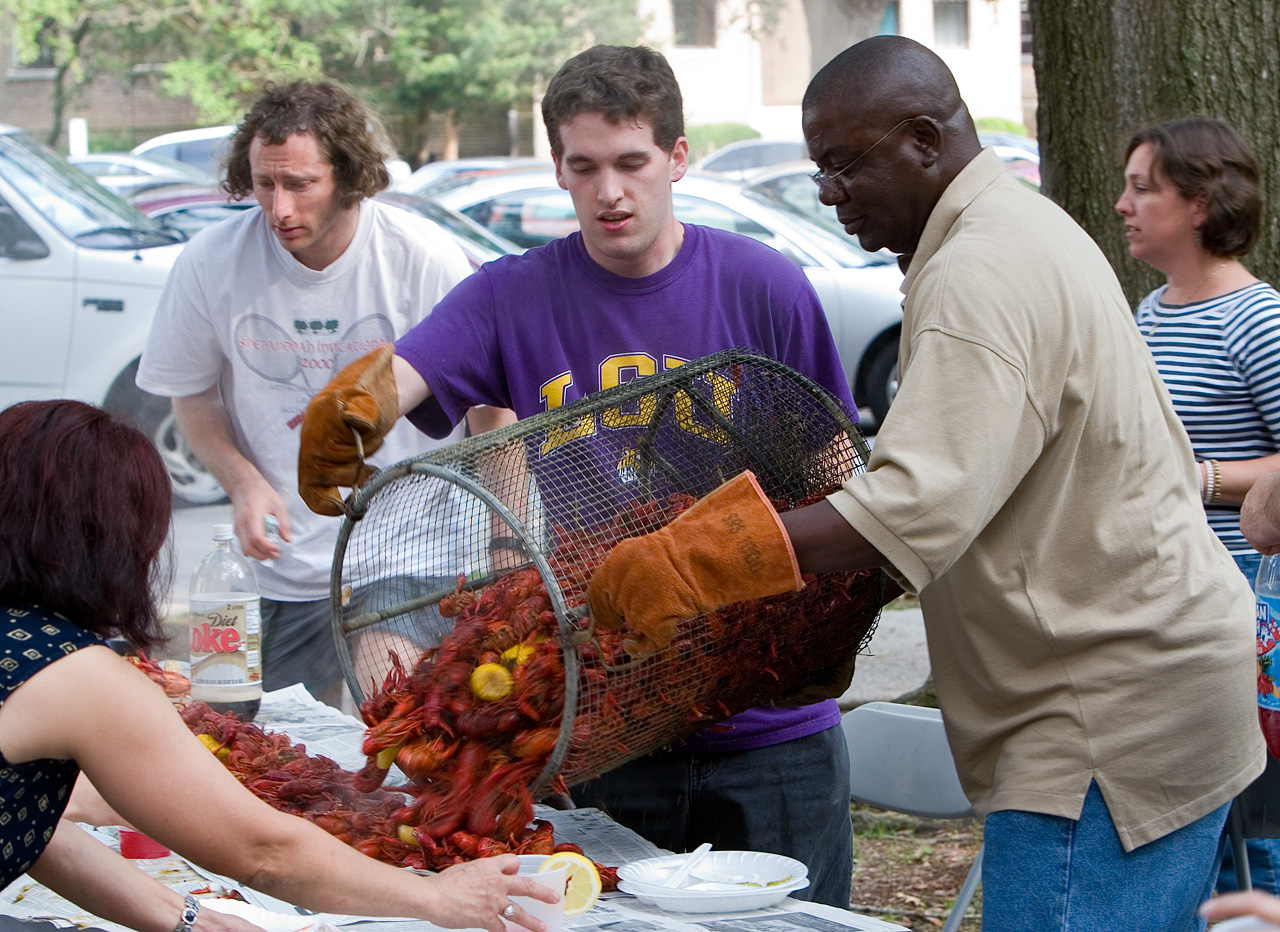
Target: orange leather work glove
{"x":362,"y":397}
{"x":729,"y":547}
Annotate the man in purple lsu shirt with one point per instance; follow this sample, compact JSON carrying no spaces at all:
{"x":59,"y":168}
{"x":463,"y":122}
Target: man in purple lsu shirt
{"x":634,"y":293}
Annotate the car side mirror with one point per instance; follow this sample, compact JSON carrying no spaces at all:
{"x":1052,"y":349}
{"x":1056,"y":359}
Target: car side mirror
{"x":17,"y":240}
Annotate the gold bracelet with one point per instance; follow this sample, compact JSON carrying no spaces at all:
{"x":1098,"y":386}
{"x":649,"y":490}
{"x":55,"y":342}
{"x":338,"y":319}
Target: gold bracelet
{"x":1217,"y":483}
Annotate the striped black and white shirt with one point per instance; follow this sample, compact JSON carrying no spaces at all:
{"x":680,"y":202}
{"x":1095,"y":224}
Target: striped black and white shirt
{"x":1221,"y":362}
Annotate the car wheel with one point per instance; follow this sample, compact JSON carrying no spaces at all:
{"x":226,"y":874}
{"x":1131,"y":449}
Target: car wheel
{"x":881,"y":379}
{"x":192,"y":483}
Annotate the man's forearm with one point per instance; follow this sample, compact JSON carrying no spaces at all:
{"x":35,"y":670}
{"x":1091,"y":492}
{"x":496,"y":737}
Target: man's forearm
{"x":825,"y":542}
{"x":411,"y":388}
{"x":206,"y":425}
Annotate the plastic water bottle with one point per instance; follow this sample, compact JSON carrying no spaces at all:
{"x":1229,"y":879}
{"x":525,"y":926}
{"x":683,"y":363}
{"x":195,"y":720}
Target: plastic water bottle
{"x":1267,"y":589}
{"x":226,"y":623}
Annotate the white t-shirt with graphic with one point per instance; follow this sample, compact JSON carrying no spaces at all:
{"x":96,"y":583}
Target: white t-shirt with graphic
{"x":241,"y":312}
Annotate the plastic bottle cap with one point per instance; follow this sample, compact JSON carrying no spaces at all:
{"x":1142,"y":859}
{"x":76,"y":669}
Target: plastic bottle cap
{"x":222,"y":532}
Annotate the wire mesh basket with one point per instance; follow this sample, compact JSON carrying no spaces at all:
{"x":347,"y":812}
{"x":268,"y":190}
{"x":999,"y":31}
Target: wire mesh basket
{"x":459,"y":579}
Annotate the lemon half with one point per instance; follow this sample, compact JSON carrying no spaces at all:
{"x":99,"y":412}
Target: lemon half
{"x":582,"y":888}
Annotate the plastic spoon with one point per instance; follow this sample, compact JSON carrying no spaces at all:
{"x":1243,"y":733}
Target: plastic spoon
{"x":690,"y":862}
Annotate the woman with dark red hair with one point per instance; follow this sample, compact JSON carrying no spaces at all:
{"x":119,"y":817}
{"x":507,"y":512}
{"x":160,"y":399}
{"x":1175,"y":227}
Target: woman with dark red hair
{"x":85,"y":502}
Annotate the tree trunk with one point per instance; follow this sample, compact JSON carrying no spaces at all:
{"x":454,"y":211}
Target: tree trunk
{"x":66,"y":82}
{"x":834,"y":25}
{"x":423,"y":136}
{"x":1107,"y":68}
{"x":450,"y":136}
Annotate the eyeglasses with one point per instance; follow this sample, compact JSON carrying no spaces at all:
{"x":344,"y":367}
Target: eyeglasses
{"x":827,"y":182}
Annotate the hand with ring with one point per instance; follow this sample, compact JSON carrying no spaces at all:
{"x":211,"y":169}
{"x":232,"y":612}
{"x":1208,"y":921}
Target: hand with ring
{"x":479,"y":894}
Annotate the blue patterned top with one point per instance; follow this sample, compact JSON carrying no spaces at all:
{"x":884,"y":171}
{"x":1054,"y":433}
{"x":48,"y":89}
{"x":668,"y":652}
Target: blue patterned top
{"x":32,"y":795}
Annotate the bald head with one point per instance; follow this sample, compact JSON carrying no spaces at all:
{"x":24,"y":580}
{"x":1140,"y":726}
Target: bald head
{"x":885,"y":117}
{"x":893,"y":77}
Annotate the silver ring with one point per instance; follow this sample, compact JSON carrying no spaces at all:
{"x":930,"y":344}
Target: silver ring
{"x":510,"y":911}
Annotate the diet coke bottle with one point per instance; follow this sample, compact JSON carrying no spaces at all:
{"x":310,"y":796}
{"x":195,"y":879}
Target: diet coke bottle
{"x":226,"y":652}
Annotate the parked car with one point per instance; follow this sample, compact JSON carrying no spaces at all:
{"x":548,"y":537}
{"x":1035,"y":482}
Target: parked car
{"x":859,"y":291}
{"x":187,"y":209}
{"x":424,"y":179}
{"x":742,"y":159}
{"x":81,"y":272}
{"x":202,"y":148}
{"x":479,"y":243}
{"x":205,"y":148}
{"x":790,"y":186}
{"x":123,"y":173}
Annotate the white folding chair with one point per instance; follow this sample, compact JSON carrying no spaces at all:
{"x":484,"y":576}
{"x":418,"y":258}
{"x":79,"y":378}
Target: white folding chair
{"x":899,"y":760}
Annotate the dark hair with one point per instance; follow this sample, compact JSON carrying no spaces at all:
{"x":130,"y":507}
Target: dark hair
{"x":86,"y":503}
{"x":1201,"y":155}
{"x":350,"y":136}
{"x":621,"y":82}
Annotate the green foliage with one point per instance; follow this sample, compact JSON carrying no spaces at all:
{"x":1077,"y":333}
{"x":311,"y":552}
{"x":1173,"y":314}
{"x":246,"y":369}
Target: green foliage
{"x":1000,"y":125}
{"x":409,"y":57}
{"x":120,"y":140}
{"x":456,"y":56}
{"x":708,"y":137}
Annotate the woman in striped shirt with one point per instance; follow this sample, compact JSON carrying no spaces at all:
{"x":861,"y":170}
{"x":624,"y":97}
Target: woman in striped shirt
{"x":1192,"y":207}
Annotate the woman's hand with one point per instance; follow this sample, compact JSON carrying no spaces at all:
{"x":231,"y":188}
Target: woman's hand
{"x":484,"y":888}
{"x":1254,"y":903}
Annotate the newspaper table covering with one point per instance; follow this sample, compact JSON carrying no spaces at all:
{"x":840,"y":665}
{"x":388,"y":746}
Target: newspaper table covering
{"x":324,"y":730}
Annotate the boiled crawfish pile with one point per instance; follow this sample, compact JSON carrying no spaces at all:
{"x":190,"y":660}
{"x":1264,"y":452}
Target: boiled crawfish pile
{"x":315,"y":788}
{"x":474,"y":759}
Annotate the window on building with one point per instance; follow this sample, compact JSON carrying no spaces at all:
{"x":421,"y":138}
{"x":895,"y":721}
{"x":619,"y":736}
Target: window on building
{"x":43,"y":52}
{"x":694,"y":22}
{"x":1026,"y":30}
{"x":951,"y":24}
{"x":889,"y":22}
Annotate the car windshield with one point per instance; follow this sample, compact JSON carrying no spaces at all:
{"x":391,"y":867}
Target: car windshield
{"x":78,"y":206}
{"x":842,"y":247}
{"x":464,"y":226}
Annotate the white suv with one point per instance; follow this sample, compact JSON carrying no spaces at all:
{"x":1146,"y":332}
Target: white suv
{"x":80,"y":275}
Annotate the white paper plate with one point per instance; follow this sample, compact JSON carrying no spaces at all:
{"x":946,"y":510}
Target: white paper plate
{"x":725,"y":881}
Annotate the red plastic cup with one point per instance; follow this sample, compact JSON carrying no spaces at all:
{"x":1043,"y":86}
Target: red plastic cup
{"x":137,"y":845}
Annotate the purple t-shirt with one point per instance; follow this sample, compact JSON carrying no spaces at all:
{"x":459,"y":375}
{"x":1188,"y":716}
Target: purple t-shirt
{"x":536,"y":331}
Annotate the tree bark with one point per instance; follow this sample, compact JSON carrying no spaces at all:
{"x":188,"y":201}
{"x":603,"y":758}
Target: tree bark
{"x":834,"y":25}
{"x":1108,"y":68}
{"x":450,"y":136}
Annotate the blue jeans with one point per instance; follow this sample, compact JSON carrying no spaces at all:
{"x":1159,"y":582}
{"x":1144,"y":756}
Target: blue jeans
{"x":1058,"y":875}
{"x":790,"y":799}
{"x":1264,"y":853}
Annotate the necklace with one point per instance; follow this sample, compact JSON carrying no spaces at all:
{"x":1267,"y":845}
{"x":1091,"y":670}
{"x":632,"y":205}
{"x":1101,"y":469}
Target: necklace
{"x":1193,"y":294}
